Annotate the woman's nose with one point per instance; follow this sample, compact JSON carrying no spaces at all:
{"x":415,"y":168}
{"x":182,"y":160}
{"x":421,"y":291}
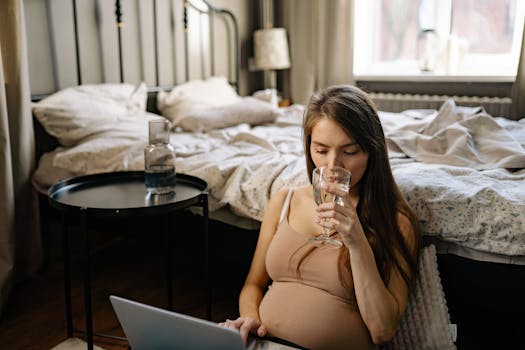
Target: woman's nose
{"x":334,"y":160}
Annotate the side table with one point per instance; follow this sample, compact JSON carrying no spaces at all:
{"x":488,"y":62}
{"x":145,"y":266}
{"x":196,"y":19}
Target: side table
{"x":121,"y":195}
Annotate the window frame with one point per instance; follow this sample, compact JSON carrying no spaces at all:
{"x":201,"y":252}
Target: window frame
{"x":413,"y":73}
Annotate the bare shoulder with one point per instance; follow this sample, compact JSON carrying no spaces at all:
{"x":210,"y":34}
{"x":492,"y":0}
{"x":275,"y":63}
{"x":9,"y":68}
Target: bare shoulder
{"x":304,"y":191}
{"x":277,"y":198}
{"x":280,"y":194}
{"x":274,"y":206}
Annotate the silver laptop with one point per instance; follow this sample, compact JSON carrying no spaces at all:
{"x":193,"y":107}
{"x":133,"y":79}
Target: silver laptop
{"x":151,"y":328}
{"x":148,"y":327}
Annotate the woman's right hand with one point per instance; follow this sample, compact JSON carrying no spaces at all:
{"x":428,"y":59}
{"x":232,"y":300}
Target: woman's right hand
{"x":246,"y":325}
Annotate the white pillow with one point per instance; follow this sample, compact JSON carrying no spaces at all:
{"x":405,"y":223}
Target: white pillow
{"x":76,"y":112}
{"x":194,"y":95}
{"x":117,"y":149}
{"x":247,"y":110}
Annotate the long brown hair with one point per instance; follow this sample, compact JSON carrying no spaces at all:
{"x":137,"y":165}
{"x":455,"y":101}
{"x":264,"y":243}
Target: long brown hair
{"x":380,"y":200}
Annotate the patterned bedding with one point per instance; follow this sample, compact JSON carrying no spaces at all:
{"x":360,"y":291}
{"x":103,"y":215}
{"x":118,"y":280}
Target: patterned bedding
{"x":474,"y":208}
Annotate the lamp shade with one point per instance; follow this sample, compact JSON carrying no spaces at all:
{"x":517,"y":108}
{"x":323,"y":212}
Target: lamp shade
{"x":271,"y":49}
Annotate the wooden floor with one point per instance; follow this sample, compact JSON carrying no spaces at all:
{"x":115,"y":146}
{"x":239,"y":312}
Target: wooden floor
{"x":132,"y":267}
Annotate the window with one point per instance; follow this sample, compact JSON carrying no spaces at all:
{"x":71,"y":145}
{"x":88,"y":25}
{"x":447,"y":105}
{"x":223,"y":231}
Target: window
{"x":438,"y":39}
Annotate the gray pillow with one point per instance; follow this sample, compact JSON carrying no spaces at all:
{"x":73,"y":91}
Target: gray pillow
{"x":248,"y":110}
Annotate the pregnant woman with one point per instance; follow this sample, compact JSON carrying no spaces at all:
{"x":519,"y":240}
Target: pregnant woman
{"x":347,"y":296}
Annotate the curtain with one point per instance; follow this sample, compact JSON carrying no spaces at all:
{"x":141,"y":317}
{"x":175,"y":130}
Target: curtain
{"x":19,"y":234}
{"x":321,"y":44}
{"x":518,"y":89}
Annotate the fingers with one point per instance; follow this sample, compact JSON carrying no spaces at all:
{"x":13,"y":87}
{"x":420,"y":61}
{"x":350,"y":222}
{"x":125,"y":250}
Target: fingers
{"x":228,"y":324}
{"x":244,"y":334}
{"x":261,"y":331}
{"x":245,"y":326}
{"x":343,"y":196}
{"x":335,"y":218}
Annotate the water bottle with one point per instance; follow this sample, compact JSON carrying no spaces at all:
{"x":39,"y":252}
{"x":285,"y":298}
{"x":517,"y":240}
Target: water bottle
{"x":159,"y":158}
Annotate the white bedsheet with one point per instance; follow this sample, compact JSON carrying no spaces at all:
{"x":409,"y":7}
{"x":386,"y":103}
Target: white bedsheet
{"x":481,"y":210}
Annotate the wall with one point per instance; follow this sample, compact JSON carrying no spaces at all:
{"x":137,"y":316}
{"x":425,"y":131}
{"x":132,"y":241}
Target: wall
{"x":52,"y":53}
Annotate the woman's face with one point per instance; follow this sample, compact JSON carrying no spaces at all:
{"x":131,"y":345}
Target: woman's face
{"x":332,"y":146}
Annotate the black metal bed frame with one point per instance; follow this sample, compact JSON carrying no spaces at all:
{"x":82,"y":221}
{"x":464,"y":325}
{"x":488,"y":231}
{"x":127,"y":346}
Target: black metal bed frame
{"x":233,"y":40}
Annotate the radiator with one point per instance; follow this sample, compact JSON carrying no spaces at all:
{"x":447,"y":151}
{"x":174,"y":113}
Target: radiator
{"x":389,"y":102}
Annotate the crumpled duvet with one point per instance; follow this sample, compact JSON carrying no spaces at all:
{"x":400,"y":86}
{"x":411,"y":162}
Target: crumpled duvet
{"x":460,"y":136}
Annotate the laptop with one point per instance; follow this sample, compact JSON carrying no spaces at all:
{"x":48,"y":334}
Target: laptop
{"x":148,"y":327}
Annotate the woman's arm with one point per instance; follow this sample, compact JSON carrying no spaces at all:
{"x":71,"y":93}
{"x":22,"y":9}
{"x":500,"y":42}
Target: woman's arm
{"x":257,"y":280}
{"x":380,"y":306}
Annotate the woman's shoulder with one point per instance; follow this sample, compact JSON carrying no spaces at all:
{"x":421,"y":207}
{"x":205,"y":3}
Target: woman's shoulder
{"x":303,"y":190}
{"x":281,"y":194}
{"x":278,"y":197}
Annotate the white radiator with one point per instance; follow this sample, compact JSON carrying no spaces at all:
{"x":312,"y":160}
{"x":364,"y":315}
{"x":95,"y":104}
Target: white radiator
{"x":389,"y":102}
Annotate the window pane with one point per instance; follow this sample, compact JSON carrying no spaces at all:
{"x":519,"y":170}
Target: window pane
{"x":438,"y":37}
{"x":398,"y":22}
{"x":487,"y":25}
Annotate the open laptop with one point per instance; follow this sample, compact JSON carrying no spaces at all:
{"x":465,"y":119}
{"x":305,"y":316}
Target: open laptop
{"x":148,"y":327}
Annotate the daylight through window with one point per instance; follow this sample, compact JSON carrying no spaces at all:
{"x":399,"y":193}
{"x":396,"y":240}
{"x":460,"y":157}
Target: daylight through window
{"x":454,"y":39}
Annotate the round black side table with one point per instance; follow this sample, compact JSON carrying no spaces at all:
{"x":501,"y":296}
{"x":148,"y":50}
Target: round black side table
{"x":122,"y":195}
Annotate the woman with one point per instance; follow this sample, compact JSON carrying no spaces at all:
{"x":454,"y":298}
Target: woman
{"x":348,"y":298}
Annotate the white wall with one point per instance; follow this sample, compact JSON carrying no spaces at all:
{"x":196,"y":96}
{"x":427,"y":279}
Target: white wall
{"x":52,"y":54}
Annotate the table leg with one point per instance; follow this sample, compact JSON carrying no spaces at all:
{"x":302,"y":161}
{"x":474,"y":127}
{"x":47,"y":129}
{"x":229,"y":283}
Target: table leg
{"x":205,"y":213}
{"x":168,"y":242}
{"x":67,"y":276}
{"x":87,"y":279}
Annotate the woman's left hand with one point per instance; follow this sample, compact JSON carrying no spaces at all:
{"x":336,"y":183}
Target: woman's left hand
{"x":342,"y":217}
{"x":246,"y":325}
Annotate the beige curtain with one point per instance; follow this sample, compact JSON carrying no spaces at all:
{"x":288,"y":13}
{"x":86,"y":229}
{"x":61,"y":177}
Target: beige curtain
{"x":19,"y":234}
{"x":518,"y":89}
{"x":321,"y":44}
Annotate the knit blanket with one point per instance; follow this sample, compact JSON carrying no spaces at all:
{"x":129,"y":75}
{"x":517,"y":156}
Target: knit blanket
{"x":426,"y":323}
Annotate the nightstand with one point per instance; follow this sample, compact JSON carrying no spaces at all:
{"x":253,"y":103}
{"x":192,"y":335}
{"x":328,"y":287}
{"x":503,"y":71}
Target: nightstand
{"x":122,"y":195}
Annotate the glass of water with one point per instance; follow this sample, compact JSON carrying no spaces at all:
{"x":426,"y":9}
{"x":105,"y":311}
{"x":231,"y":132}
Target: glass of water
{"x":333,"y":175}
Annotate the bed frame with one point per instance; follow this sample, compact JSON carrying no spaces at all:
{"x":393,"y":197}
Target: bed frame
{"x":499,"y":288}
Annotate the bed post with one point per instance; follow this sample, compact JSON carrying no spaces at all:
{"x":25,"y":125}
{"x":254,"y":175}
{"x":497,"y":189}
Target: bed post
{"x":155,"y":43}
{"x":185,"y":19}
{"x":118,"y":17}
{"x":77,"y":51}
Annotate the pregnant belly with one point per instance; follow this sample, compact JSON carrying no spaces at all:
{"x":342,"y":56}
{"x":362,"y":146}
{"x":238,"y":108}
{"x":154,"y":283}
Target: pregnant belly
{"x":312,"y":318}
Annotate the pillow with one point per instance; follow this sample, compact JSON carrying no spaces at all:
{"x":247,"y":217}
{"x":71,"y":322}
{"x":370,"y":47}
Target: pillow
{"x":194,"y":95}
{"x":248,"y":110}
{"x":117,"y":149}
{"x":76,"y":112}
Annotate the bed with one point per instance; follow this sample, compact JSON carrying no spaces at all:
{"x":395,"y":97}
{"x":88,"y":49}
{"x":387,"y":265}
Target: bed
{"x":461,"y":169}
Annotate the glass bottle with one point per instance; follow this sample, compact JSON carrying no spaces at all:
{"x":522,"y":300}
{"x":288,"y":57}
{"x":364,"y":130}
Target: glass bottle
{"x":159,"y":158}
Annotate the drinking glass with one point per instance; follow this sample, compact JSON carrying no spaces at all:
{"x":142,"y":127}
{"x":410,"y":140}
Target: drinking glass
{"x":335,"y":176}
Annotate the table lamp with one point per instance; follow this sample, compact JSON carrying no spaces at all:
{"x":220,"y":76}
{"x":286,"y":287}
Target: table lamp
{"x":271,"y":53}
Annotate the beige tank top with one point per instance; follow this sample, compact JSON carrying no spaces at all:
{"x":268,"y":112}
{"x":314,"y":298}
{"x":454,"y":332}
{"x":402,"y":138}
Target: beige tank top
{"x":314,"y":309}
